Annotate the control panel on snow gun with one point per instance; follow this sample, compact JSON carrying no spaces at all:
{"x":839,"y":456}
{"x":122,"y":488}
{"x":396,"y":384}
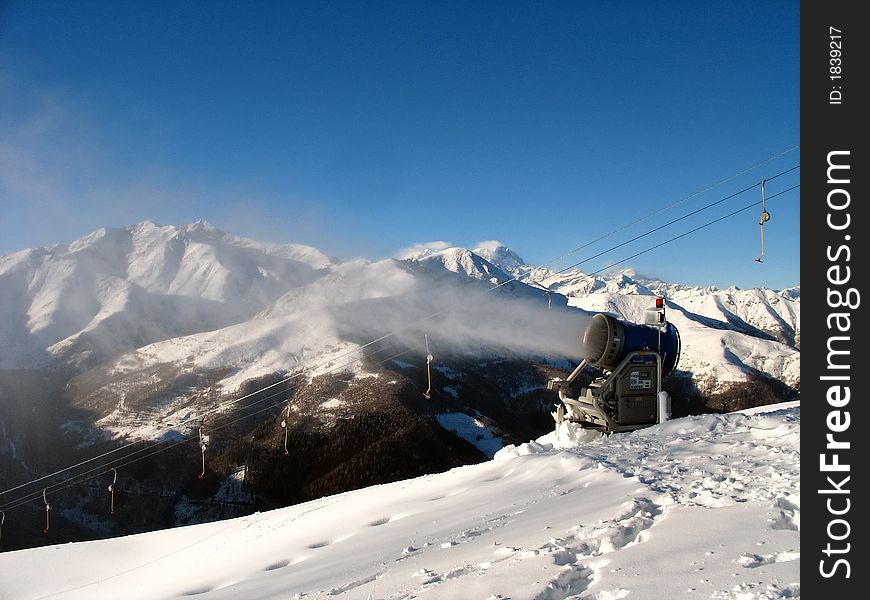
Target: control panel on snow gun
{"x":634,"y":359}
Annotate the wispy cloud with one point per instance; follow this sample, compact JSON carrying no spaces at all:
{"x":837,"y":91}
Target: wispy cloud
{"x":57,"y":178}
{"x":64,"y":173}
{"x":32,"y":165}
{"x":61,"y":177}
{"x":423,"y":249}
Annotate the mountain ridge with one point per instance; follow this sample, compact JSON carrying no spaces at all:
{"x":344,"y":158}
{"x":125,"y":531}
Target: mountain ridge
{"x":122,"y":290}
{"x":149,"y":332}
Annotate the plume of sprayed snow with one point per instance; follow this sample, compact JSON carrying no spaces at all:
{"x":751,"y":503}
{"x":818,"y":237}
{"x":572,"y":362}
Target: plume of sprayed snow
{"x":466,"y":318}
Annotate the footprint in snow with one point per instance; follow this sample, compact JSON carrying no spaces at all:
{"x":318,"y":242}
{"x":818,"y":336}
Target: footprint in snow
{"x":278,"y":565}
{"x":197,"y":591}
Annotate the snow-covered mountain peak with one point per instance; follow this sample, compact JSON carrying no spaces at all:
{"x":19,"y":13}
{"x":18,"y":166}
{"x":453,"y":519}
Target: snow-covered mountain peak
{"x":116,"y":289}
{"x":201,"y":225}
{"x":88,"y":241}
{"x":148,"y":224}
{"x":577,"y":283}
{"x":500,"y":255}
{"x":626,"y":282}
{"x":466,"y":262}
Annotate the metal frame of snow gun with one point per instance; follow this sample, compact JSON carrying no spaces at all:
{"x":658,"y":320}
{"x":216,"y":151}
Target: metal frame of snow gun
{"x":590,"y":407}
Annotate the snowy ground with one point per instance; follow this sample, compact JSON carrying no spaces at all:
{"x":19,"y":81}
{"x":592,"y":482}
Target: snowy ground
{"x":701,"y":507}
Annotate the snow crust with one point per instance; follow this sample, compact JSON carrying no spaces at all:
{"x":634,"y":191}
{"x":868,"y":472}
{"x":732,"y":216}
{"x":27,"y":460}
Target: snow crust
{"x":700,"y":507}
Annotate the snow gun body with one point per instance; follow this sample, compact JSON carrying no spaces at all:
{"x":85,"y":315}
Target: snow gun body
{"x":635,"y":359}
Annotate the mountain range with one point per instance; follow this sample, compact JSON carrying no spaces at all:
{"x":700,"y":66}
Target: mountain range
{"x":149,"y":333}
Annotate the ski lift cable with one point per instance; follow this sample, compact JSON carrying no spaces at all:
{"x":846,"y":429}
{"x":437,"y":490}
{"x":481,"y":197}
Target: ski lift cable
{"x":398,"y":330}
{"x":80,"y":478}
{"x":691,"y":231}
{"x":124,"y":462}
{"x":677,"y":220}
{"x":118,"y":462}
{"x":433,"y":315}
{"x":530,"y":275}
{"x":675,"y":203}
{"x":126,"y":446}
{"x":158,"y":443}
{"x":519,"y":278}
{"x":203,"y":414}
{"x":71,"y":482}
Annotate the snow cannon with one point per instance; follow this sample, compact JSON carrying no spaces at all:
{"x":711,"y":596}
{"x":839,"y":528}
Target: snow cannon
{"x":607,"y":341}
{"x":634,"y":360}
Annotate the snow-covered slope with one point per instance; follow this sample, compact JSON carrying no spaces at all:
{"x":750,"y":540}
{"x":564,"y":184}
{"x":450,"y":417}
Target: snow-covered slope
{"x":705,"y":507}
{"x":296,"y":331}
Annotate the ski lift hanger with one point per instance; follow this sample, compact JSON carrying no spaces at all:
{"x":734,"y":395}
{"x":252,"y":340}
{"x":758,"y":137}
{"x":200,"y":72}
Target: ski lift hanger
{"x":47,"y":510}
{"x":285,"y":424}
{"x":112,"y":490}
{"x":203,"y":446}
{"x":765,"y":217}
{"x":429,"y":359}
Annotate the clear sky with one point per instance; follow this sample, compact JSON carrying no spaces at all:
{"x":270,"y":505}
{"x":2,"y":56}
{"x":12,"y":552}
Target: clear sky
{"x":363,"y":128}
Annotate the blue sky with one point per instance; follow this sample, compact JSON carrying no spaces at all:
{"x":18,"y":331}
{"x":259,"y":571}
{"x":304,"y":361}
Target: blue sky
{"x":364,"y":127}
